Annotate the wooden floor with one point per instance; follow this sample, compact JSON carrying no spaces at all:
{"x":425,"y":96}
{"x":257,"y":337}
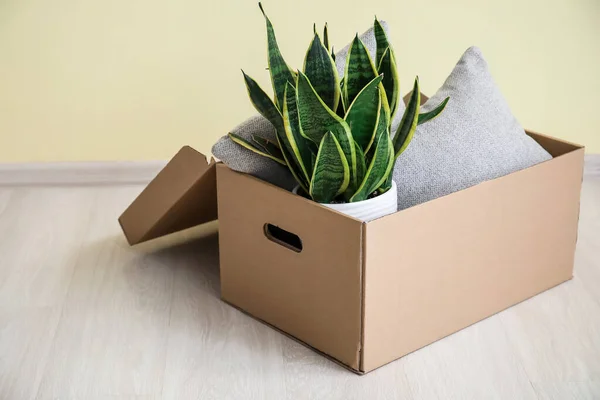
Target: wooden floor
{"x":84,"y":316}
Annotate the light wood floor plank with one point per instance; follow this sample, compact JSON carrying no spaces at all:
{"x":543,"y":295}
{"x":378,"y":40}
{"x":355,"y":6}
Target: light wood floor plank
{"x":40,"y":232}
{"x":589,"y":390}
{"x":112,"y":333}
{"x":557,"y":334}
{"x":26,"y":335}
{"x":5,"y":193}
{"x":477,"y":363}
{"x":83,"y":316}
{"x":588,"y":244}
{"x":103,"y":397}
{"x":211,"y":342}
{"x":309,"y":375}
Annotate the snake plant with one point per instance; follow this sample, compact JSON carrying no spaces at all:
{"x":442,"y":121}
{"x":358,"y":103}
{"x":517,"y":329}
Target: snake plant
{"x":334,"y":134}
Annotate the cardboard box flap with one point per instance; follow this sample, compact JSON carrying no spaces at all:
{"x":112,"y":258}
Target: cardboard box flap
{"x":182,"y":195}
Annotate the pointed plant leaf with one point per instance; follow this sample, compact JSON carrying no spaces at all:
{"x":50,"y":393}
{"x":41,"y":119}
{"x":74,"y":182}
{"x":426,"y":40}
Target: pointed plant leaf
{"x":390,"y":82}
{"x":409,"y":121}
{"x":332,"y":54}
{"x":387,"y":184}
{"x":270,"y":147}
{"x":390,"y":165}
{"x":361,"y":167}
{"x":382,"y":127}
{"x":263,"y":103}
{"x":361,"y":170}
{"x":280,"y":72}
{"x":359,"y":70}
{"x":322,"y":73}
{"x":376,"y":170}
{"x":326,"y":37}
{"x":316,"y":119}
{"x":428,"y":116}
{"x":299,"y":145}
{"x":362,"y":115}
{"x":253,"y":147}
{"x":259,"y":145}
{"x":381,"y":40}
{"x":266,"y":143}
{"x":332,"y":173}
{"x":292,"y":162}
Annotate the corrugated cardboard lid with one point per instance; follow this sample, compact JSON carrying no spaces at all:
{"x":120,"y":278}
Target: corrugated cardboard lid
{"x":183,"y":195}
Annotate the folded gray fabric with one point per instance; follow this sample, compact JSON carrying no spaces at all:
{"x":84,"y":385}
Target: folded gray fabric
{"x":475,"y":139}
{"x":241,"y":159}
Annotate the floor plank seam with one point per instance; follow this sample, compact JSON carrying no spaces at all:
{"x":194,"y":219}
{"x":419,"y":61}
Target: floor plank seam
{"x":168,"y":335}
{"x":64,"y":300}
{"x":516,"y":353}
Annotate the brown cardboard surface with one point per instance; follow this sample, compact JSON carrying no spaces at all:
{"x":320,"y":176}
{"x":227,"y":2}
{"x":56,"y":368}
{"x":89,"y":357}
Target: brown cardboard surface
{"x":367,"y":294}
{"x":438,"y":267}
{"x":315,"y":294}
{"x":182,"y":195}
{"x":554,"y":147}
{"x":406,"y":98}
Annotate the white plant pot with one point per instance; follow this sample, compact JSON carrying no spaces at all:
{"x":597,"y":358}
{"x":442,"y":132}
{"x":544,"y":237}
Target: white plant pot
{"x":368,"y":210}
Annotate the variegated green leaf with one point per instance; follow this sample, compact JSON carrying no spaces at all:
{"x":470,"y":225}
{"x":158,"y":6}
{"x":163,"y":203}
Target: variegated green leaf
{"x":258,"y":144}
{"x":409,"y":121}
{"x":362,"y":115}
{"x":326,"y":37}
{"x":291,"y":161}
{"x":381,"y":40}
{"x":361,"y":167}
{"x":332,"y":173}
{"x":263,"y":103}
{"x":382,"y":127}
{"x":376,"y":171}
{"x":253,"y":147}
{"x":390,"y":166}
{"x":280,"y":72}
{"x":428,"y":116}
{"x":320,"y":70}
{"x":316,"y":119}
{"x":359,"y":70}
{"x":387,"y":184}
{"x":270,"y":147}
{"x":332,"y":54}
{"x":299,"y":145}
{"x":390,"y":82}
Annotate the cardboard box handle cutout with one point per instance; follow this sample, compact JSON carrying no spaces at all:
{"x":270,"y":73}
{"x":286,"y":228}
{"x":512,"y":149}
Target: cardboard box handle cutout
{"x":282,"y":237}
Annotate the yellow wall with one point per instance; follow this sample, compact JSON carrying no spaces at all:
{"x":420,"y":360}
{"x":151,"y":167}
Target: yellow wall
{"x":136,"y":79}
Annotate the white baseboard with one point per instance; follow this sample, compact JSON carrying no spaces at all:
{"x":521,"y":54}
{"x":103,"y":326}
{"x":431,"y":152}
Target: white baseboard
{"x":80,"y":173}
{"x":123,"y":172}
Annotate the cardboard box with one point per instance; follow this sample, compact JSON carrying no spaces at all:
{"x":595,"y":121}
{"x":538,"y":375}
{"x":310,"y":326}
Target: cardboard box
{"x":365,"y":294}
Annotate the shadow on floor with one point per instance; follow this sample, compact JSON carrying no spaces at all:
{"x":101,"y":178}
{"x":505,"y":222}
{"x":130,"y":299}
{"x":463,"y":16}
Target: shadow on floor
{"x":198,"y":313}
